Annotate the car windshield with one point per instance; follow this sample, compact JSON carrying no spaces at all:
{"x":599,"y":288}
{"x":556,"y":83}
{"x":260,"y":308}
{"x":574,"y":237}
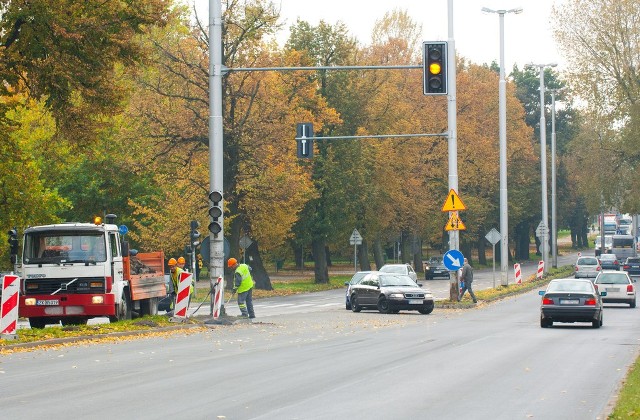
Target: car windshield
{"x":587,"y":261}
{"x":633,"y":260}
{"x":398,"y":269}
{"x":570,"y":286}
{"x":607,"y":257}
{"x":396,"y":281}
{"x":612,"y":278}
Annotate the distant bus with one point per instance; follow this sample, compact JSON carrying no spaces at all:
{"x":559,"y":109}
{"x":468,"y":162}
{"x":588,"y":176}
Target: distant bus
{"x":623,"y":246}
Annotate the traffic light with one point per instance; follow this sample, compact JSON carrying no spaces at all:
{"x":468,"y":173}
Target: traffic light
{"x":13,"y":245}
{"x":435,"y":67}
{"x":194,"y":233}
{"x":304,"y":140}
{"x":215,"y":211}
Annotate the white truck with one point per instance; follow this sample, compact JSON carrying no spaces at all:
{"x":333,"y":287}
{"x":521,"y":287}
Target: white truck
{"x":72,"y":272}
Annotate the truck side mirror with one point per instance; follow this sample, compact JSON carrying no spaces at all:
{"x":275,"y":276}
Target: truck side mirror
{"x":125,"y":248}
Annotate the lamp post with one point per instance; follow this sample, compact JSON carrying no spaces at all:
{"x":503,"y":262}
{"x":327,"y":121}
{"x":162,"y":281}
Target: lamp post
{"x":543,"y":165}
{"x":554,"y":225}
{"x":502,"y":124}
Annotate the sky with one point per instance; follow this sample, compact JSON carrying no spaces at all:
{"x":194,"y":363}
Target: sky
{"x":528,"y":36}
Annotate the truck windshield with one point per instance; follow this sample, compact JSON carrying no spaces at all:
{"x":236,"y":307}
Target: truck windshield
{"x":64,"y":247}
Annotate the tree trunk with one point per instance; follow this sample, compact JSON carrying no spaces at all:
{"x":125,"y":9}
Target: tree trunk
{"x":320,"y":261}
{"x":417,"y":254}
{"x":298,"y":255}
{"x":328,"y":255}
{"x":522,"y":241}
{"x":482,"y":246}
{"x":363,"y":256}
{"x":466,"y":248}
{"x":378,"y":253}
{"x":258,"y":272}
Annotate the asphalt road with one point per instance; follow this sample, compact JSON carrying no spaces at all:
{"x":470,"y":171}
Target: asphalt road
{"x":322,"y":362}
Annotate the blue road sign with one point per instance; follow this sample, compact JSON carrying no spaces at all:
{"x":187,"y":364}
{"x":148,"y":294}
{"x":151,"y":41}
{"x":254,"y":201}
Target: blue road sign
{"x":453,"y":259}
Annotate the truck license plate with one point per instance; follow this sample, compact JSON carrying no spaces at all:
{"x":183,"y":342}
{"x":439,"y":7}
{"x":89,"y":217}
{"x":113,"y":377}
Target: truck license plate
{"x":50,"y":302}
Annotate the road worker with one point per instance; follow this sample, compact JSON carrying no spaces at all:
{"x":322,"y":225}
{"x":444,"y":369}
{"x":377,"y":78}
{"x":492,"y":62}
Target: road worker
{"x":243,"y":284}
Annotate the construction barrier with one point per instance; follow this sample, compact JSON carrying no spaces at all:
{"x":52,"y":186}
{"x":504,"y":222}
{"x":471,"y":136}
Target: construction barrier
{"x":182,"y":297}
{"x":9,"y":311}
{"x":217,"y":301}
{"x":540,"y":269}
{"x":518,"y":273}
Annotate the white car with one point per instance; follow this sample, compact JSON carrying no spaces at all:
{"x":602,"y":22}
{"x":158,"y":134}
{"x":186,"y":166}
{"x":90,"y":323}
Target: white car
{"x":405,"y":269}
{"x":618,"y":285}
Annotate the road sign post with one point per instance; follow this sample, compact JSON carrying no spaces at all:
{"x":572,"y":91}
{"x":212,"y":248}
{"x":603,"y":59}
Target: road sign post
{"x":355,"y":240}
{"x":494,"y":237}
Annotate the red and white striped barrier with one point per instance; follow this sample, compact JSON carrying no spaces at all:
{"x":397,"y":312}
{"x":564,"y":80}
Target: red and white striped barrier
{"x":518,"y":273}
{"x":9,"y":311}
{"x":182,"y":298}
{"x":540,"y":269}
{"x":217,"y":301}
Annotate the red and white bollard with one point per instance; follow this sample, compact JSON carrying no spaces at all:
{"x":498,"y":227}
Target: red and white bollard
{"x":182,"y":298}
{"x":518,"y":273}
{"x":9,"y":308}
{"x":540,"y":269}
{"x":217,"y":301}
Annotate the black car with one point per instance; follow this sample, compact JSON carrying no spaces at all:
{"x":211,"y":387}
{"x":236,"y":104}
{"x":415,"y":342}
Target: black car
{"x":571,"y":300}
{"x":354,"y":280}
{"x":435,"y":268}
{"x":609,"y":262}
{"x":632,"y":266}
{"x":390,"y":293}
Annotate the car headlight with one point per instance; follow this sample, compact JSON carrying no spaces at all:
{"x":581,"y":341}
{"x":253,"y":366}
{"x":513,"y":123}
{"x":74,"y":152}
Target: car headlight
{"x":396,"y":296}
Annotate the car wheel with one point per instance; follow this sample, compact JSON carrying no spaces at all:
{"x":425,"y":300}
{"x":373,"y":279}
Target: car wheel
{"x":545,"y":323}
{"x":597,"y":323}
{"x":632,"y":304}
{"x":383,"y":305}
{"x":354,"y":304}
{"x":425,"y":311}
{"x":347,"y":305}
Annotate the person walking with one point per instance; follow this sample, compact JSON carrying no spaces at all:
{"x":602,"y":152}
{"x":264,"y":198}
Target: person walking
{"x":243,"y":284}
{"x":467,"y":278}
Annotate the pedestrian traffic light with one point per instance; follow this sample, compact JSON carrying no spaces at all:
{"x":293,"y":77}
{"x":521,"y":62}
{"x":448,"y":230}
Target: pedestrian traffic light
{"x":194,"y":233}
{"x":435,"y":67}
{"x":304,"y":140}
{"x":215,"y":212}
{"x":13,"y":245}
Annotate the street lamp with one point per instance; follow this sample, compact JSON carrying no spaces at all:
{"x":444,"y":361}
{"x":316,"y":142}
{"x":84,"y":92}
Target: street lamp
{"x":543,"y":165}
{"x":554,"y":225}
{"x":502,"y":123}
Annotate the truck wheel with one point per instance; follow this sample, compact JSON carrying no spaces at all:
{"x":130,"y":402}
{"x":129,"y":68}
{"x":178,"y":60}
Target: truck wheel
{"x":123,"y":309}
{"x":38,"y":323}
{"x":149,"y":306}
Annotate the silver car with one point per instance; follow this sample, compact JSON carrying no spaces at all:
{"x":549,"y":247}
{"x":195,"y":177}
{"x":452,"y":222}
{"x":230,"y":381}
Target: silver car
{"x":618,"y":285}
{"x":587,"y":267}
{"x":405,"y":269}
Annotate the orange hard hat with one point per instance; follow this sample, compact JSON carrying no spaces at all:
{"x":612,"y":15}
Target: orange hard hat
{"x":181,"y":260}
{"x":172,"y":262}
{"x":232,"y":262}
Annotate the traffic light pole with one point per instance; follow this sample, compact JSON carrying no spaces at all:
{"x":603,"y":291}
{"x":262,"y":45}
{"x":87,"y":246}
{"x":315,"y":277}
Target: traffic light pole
{"x":216,"y":254}
{"x":454,"y":235}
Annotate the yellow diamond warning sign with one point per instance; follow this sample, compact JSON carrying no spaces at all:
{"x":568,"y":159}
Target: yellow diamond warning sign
{"x":453,"y":202}
{"x":455,"y":223}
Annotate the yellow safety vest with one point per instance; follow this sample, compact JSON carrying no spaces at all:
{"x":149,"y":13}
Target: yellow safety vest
{"x":247,"y":280}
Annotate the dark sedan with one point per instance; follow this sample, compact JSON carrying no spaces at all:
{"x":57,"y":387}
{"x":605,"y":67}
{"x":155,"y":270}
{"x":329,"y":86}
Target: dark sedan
{"x":632,"y":266}
{"x":609,"y":262}
{"x":435,"y":268}
{"x":571,"y":300}
{"x":390,"y":293}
